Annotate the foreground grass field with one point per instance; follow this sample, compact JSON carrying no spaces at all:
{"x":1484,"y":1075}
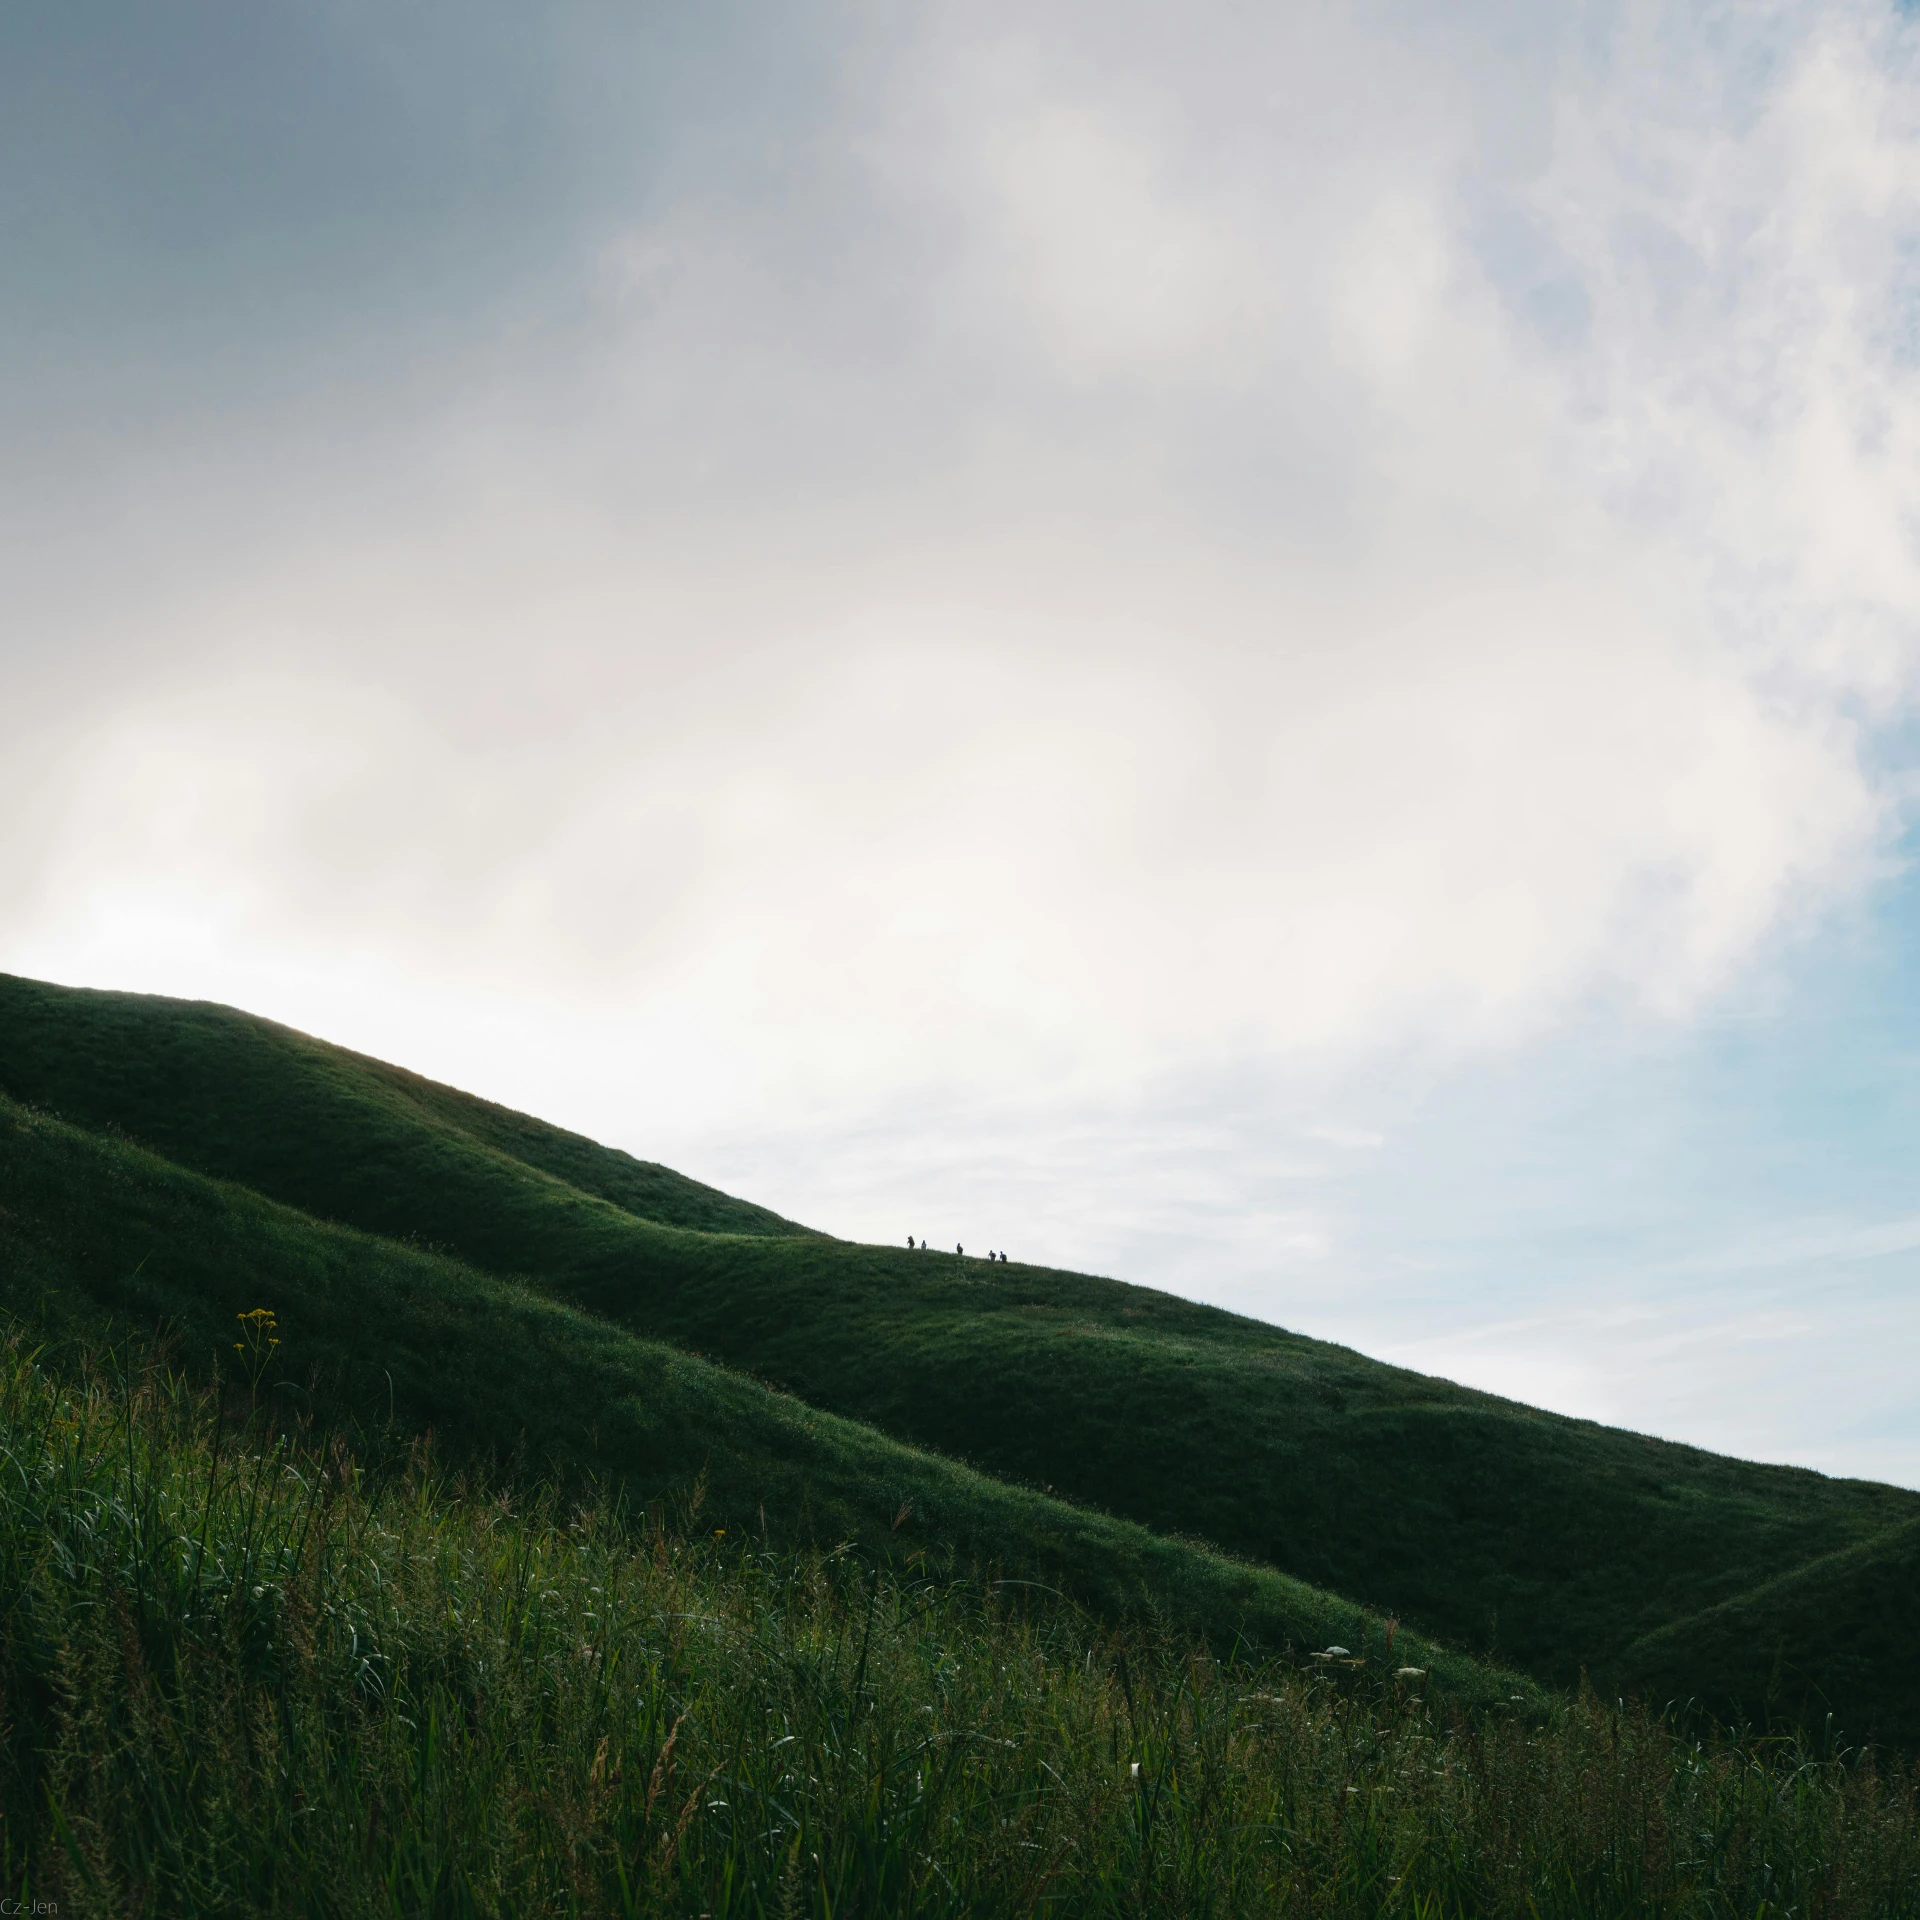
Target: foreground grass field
{"x":244,"y":1675}
{"x":1559,"y":1546}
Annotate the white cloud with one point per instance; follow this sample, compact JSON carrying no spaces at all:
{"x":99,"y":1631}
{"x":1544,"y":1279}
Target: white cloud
{"x":1116,"y":273}
{"x":1030,"y":762}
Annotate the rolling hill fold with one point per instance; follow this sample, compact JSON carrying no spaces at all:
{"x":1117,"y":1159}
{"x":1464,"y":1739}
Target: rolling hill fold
{"x":1558,"y":1542}
{"x":1833,"y":1637}
{"x":99,"y":1237}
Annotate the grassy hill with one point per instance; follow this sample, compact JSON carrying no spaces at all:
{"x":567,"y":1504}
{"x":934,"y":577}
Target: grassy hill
{"x":1834,"y":1637}
{"x":99,"y":1237}
{"x":240,"y":1097}
{"x":1560,"y":1544}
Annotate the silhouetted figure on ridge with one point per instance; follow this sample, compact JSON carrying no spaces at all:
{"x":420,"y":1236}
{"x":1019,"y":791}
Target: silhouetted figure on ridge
{"x":909,"y":1239}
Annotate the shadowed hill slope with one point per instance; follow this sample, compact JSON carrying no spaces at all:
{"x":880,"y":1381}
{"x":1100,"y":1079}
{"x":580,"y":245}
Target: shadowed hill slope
{"x":1558,"y":1542}
{"x":99,"y":1237}
{"x":1832,"y":1637}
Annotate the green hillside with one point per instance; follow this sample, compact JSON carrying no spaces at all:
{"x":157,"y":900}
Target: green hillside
{"x":1833,"y":1637}
{"x":99,"y":1237}
{"x":1561,"y":1544}
{"x":251,"y":1101}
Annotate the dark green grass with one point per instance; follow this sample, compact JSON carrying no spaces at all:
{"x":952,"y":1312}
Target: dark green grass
{"x":239,"y":1677}
{"x":100,"y":1238}
{"x":1835,"y":1637}
{"x":1558,"y":1543}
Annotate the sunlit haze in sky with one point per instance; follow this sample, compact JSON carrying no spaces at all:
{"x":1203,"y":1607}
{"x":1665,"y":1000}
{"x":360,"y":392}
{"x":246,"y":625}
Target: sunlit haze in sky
{"x":1270,"y":649}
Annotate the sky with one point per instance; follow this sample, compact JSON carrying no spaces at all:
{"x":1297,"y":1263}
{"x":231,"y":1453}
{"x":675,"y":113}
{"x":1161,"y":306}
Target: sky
{"x":1274,"y":650}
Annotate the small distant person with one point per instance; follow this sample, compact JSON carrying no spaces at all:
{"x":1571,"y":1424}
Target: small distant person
{"x":960,"y":1250}
{"x":909,"y":1239}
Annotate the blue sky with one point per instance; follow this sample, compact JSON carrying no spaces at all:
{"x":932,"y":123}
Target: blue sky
{"x":1269,"y":650}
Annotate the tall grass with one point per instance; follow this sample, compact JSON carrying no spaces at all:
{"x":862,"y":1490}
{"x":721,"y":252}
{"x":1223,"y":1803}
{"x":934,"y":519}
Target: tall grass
{"x":243,"y":1675}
